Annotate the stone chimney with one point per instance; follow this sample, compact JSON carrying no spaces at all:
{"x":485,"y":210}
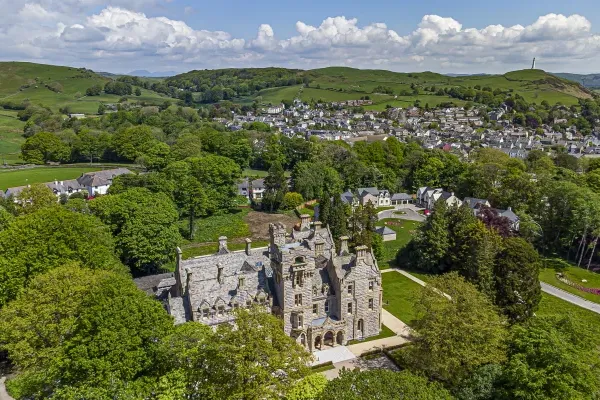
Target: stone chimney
{"x":304,"y":222}
{"x":178,"y":286}
{"x":220,"y":273}
{"x":277,"y":234}
{"x":318,"y":225}
{"x":248,"y":246}
{"x":319,"y":247}
{"x":361,"y":252}
{"x":223,"y":245}
{"x":344,"y":245}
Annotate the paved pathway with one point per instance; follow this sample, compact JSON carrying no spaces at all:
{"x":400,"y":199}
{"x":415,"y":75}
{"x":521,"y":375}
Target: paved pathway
{"x":570,"y":297}
{"x":411,"y":214}
{"x":336,"y":354}
{"x":3,"y":394}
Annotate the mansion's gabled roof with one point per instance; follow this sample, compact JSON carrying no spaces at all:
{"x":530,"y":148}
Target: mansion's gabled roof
{"x":242,"y":277}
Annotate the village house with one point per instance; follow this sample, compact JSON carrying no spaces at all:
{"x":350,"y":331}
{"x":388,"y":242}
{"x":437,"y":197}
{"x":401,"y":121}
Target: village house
{"x":325,"y":296}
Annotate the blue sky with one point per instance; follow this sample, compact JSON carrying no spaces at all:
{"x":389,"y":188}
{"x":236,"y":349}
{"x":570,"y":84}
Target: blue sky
{"x":179,"y":35}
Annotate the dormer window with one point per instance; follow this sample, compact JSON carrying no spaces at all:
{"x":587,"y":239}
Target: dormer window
{"x":205,"y":313}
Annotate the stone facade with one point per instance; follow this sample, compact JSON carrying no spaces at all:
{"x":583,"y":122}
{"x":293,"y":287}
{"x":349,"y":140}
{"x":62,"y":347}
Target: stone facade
{"x":325,"y":296}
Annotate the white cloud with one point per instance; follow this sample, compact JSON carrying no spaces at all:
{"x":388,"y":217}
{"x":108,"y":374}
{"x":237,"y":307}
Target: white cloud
{"x":121,"y":37}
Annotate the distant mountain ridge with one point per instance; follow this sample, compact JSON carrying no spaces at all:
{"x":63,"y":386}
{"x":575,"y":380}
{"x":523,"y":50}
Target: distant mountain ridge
{"x":587,"y":80}
{"x":142,"y":73}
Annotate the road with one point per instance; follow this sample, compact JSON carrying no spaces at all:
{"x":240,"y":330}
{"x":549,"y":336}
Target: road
{"x":571,"y":298}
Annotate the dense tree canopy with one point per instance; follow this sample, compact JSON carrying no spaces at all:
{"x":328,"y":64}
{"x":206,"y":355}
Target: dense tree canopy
{"x":143,"y":224}
{"x":35,"y":243}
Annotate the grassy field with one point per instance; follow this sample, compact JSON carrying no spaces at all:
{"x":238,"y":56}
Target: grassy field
{"x":12,"y":178}
{"x":11,"y":136}
{"x":385,"y":333}
{"x":409,"y":101}
{"x":575,"y":275}
{"x":27,"y":81}
{"x":404,"y":232}
{"x":400,"y":295}
{"x":551,"y":305}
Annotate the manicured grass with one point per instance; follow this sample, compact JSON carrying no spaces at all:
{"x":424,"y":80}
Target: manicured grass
{"x":385,"y":333}
{"x":231,"y":225}
{"x":322,"y":368}
{"x":551,"y":305}
{"x":575,"y":275}
{"x":12,"y":178}
{"x":424,"y":276}
{"x":404,"y":233}
{"x":400,"y":295}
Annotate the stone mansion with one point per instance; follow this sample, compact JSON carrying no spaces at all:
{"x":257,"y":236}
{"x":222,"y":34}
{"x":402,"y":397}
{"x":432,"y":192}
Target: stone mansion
{"x":325,"y":296}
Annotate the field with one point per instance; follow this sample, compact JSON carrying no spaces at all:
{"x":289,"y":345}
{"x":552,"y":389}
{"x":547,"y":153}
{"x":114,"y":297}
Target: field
{"x":27,"y":81}
{"x":400,"y":295}
{"x":404,"y":235}
{"x":575,"y":275}
{"x":21,"y":177}
{"x":11,"y":131}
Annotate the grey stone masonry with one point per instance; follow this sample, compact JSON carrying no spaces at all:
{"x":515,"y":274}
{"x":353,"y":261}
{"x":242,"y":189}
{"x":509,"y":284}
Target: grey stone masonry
{"x":324,"y":297}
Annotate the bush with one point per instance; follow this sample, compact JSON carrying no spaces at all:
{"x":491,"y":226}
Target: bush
{"x":292,"y":200}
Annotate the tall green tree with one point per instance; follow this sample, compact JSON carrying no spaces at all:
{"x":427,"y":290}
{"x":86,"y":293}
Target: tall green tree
{"x":276,"y":187}
{"x":43,"y":147}
{"x":518,"y":291}
{"x":35,"y":243}
{"x":457,"y":330}
{"x":143,"y":225}
{"x":432,"y":241}
{"x":79,"y":333}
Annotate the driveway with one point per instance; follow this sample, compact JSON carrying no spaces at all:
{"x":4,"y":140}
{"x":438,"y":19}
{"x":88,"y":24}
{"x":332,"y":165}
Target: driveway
{"x":571,"y":298}
{"x":411,"y":214}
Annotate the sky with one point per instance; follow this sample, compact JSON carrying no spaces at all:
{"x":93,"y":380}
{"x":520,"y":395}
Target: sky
{"x":460,"y":36}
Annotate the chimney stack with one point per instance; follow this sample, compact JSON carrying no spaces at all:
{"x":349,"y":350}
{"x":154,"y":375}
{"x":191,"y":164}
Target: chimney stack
{"x":304,"y":222}
{"x":344,"y":245}
{"x":318,"y":225}
{"x":248,"y":246}
{"x":319,"y":247}
{"x":361,"y":252}
{"x":223,"y":245}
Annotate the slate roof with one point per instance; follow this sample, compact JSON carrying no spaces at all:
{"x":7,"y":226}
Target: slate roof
{"x":384,"y":230}
{"x":204,"y":289}
{"x":401,"y":196}
{"x":473,"y":202}
{"x":101,"y":178}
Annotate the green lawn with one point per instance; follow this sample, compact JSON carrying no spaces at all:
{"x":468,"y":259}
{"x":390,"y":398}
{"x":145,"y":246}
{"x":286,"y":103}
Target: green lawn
{"x":400,"y":295}
{"x":12,"y":178}
{"x":404,"y":232}
{"x":551,"y":305}
{"x":574,"y":274}
{"x":385,"y":333}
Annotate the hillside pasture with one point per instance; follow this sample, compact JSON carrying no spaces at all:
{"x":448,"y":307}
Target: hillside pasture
{"x":11,"y":136}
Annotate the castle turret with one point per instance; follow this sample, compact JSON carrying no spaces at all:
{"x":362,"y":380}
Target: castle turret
{"x":277,"y":234}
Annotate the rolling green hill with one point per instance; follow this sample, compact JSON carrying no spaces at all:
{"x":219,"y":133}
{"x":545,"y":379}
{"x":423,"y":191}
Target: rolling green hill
{"x":57,"y":87}
{"x":272,"y":85}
